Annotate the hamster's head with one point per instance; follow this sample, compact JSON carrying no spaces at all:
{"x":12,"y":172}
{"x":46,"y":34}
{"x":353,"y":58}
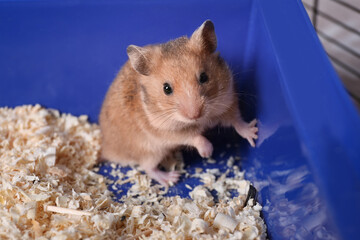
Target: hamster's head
{"x":183,"y":82}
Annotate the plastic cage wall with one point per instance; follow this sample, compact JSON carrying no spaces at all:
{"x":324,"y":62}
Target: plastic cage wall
{"x":64,"y":55}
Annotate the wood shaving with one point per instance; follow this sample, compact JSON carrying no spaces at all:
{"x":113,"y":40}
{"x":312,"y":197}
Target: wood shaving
{"x":66,"y":211}
{"x":225,"y":221}
{"x":48,"y":189}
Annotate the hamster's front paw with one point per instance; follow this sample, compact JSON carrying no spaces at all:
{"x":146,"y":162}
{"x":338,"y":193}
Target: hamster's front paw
{"x":204,"y":147}
{"x":248,"y":131}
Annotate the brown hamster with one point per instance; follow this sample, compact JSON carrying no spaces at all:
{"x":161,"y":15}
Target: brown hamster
{"x":166,"y":96}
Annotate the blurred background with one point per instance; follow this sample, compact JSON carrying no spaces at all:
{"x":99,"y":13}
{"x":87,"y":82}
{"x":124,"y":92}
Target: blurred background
{"x":337,"y":23}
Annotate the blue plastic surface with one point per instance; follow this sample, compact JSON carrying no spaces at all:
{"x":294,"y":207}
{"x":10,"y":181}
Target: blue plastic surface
{"x":306,"y":165}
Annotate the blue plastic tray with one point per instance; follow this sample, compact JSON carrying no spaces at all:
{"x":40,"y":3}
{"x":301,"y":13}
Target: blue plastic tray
{"x":306,"y":166}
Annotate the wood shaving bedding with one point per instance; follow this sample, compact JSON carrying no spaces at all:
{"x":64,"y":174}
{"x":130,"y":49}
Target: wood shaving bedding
{"x":48,"y":189}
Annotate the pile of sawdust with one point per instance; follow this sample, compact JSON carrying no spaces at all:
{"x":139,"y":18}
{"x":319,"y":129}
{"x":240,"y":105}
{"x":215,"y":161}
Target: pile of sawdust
{"x":48,"y":189}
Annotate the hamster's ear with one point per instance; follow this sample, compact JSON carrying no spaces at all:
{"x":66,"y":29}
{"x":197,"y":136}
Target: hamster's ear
{"x":204,"y":37}
{"x":139,"y":59}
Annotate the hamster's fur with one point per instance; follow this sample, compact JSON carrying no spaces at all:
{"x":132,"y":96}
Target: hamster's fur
{"x":166,"y":96}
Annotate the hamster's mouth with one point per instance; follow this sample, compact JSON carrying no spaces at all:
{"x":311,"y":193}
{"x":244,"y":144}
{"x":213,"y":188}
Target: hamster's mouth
{"x":189,"y":121}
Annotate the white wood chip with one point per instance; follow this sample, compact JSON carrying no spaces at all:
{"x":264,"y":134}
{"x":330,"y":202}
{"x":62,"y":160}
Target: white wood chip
{"x":225,"y":221}
{"x":66,"y":211}
{"x":50,"y":156}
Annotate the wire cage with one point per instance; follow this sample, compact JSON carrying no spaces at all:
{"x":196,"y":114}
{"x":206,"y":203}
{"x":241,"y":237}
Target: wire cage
{"x":337,"y":23}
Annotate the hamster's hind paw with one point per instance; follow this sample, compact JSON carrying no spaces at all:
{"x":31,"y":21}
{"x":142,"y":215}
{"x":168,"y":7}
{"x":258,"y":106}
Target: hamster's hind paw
{"x":164,"y":178}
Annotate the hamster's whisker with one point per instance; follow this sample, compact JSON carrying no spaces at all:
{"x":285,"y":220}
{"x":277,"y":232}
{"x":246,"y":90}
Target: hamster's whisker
{"x":216,"y":106}
{"x":163,"y":110}
{"x":156,"y":117}
{"x":214,"y":101}
{"x":241,"y":93}
{"x":220,"y":104}
{"x":245,"y":94}
{"x":244,"y":71}
{"x":166,"y":119}
{"x":221,"y":94}
{"x":163,"y":113}
{"x":246,"y":102}
{"x":209,"y":121}
{"x":168,"y":113}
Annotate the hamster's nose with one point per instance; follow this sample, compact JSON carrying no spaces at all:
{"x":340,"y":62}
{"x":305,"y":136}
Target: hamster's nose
{"x":194,"y":116}
{"x":193,"y":113}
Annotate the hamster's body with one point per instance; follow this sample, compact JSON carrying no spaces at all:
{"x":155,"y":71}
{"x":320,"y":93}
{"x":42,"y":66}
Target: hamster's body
{"x":166,"y":96}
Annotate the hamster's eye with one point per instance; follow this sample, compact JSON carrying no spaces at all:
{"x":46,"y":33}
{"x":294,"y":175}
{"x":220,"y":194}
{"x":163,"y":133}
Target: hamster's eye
{"x":167,"y":89}
{"x":203,"y":78}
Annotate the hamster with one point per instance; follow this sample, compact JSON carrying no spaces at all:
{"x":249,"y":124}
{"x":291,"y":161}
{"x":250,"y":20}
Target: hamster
{"x":166,"y":96}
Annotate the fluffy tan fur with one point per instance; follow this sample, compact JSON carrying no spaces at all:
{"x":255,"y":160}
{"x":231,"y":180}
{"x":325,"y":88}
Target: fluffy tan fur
{"x":141,"y":124}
